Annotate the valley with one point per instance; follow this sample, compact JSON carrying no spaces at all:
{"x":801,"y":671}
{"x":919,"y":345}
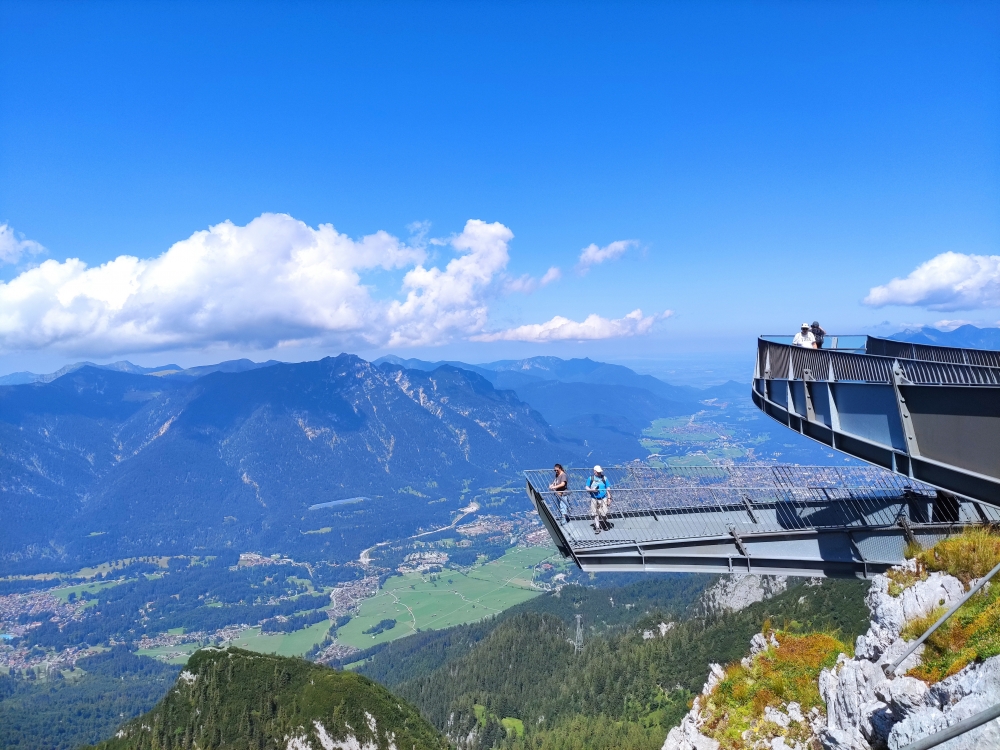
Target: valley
{"x":428,"y":532}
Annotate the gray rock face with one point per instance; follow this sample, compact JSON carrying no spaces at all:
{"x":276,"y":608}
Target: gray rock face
{"x":865,"y":710}
{"x":904,"y":695}
{"x":740,"y":590}
{"x":686,"y":735}
{"x":868,"y":711}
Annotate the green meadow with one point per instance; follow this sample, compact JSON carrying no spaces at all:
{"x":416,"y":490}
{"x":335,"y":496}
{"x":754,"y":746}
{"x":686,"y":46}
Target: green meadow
{"x":429,"y":602}
{"x":295,"y":643}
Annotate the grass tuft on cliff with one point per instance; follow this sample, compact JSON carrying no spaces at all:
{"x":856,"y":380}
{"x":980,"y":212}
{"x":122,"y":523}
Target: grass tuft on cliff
{"x":775,"y":678}
{"x":971,"y":554}
{"x":973,"y":633}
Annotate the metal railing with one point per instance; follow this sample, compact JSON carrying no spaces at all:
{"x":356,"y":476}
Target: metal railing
{"x":956,"y":730}
{"x":849,"y":343}
{"x":699,"y":502}
{"x":782,"y":361}
{"x":890,"y":669}
{"x":929,"y":353}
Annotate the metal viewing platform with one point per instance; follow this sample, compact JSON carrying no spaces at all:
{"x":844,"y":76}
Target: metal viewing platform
{"x":927,"y":419}
{"x":928,"y":413}
{"x":789,"y":520}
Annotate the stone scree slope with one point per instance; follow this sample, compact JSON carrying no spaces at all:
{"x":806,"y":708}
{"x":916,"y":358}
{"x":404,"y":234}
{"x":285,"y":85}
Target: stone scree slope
{"x":865,"y":709}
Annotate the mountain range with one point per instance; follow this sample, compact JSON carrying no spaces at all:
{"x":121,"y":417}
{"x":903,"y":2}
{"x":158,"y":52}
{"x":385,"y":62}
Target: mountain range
{"x":965,"y":337}
{"x":164,"y":371}
{"x":103,"y":462}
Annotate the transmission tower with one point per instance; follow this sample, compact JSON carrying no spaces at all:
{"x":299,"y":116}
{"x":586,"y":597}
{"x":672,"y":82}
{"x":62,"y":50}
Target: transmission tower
{"x":578,"y":643}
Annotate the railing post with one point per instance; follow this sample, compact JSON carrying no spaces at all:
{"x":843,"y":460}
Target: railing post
{"x":898,"y":379}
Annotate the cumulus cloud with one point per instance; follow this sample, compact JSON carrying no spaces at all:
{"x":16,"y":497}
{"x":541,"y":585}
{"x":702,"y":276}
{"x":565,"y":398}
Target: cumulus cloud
{"x":13,"y":248}
{"x":950,"y":281}
{"x":275,"y":282}
{"x":443,"y":303}
{"x":593,"y":255}
{"x":594,"y":327}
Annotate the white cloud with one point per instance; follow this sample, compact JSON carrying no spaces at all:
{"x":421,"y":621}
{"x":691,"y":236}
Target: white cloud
{"x":272,"y":281}
{"x":276,"y":282}
{"x":951,"y":325}
{"x":443,"y":303}
{"x":593,"y":255}
{"x":553,"y":274}
{"x":523,"y":284}
{"x":12,"y":248}
{"x":950,"y":281}
{"x":592,"y":328}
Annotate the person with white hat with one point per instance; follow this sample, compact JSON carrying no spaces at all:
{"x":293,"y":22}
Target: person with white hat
{"x":805,"y":338}
{"x":600,"y":499}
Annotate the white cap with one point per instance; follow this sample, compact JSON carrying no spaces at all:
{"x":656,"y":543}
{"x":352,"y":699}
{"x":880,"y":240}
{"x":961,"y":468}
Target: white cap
{"x":805,"y":325}
{"x":598,"y":469}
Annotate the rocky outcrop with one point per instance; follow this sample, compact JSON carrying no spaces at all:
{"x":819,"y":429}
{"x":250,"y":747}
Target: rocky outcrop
{"x":865,"y":708}
{"x":739,"y":591}
{"x":687,"y":734}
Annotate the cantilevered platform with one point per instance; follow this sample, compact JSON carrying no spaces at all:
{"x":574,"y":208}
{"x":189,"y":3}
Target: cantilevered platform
{"x":929,"y":413}
{"x":792,"y":520}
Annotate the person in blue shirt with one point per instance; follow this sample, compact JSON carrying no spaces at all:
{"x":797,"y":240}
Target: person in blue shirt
{"x":600,"y":499}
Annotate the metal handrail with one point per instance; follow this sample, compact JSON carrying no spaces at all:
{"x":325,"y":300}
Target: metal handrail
{"x":775,"y":360}
{"x":851,"y":342}
{"x":955,"y":730}
{"x":890,"y":669}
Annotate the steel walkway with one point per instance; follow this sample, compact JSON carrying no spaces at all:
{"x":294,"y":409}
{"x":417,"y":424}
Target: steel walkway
{"x":929,"y":413}
{"x":926,"y":418}
{"x":791,"y":520}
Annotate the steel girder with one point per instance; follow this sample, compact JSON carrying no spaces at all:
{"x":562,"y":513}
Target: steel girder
{"x":931,"y":414}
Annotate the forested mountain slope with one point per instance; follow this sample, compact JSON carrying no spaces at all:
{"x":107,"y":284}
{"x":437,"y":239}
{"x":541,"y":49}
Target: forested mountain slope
{"x":62,"y":713}
{"x":631,"y":683}
{"x":101,"y":464}
{"x":239,"y":699}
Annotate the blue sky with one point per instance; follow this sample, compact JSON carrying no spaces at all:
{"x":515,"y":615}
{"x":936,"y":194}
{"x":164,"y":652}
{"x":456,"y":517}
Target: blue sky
{"x":770,"y":162}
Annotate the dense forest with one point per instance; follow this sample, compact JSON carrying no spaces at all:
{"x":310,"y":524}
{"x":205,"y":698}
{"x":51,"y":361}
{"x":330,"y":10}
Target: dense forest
{"x":242,"y":700}
{"x":515,"y":681}
{"x":623,"y":599}
{"x":63,"y":713}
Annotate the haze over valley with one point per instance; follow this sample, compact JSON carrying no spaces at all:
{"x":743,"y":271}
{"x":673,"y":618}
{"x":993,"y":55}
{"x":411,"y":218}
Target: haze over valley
{"x":304,"y":305}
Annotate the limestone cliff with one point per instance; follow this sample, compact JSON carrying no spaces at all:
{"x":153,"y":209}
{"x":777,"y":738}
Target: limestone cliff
{"x":858,"y":706}
{"x":738,"y":591}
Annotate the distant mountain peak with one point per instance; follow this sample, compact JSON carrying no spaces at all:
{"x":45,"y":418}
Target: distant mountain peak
{"x":965,"y":336}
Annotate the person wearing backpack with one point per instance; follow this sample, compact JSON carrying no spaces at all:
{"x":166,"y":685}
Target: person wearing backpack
{"x":600,"y":499}
{"x":818,"y":333}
